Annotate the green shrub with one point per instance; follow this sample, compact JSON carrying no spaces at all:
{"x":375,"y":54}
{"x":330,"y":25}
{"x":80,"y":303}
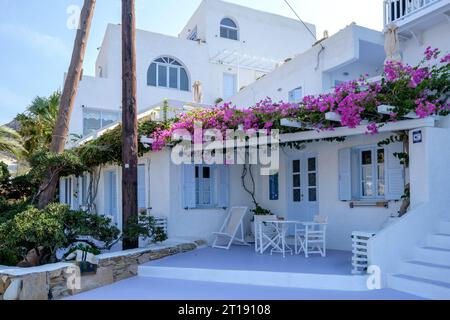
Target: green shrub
{"x":9,"y":208}
{"x":144,"y":227}
{"x":53,"y":228}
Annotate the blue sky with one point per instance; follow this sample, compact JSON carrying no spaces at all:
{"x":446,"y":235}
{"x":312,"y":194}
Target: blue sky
{"x":36,"y":44}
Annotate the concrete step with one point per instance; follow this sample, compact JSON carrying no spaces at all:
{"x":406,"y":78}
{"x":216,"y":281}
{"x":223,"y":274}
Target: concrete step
{"x":444,"y":227}
{"x":429,"y":289}
{"x":429,"y":271}
{"x":432,"y":255}
{"x":439,"y":240}
{"x":259,"y":278}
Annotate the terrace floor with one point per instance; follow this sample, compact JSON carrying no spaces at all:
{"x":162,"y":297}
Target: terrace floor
{"x":146,"y":288}
{"x":241,"y":257}
{"x":242,"y":274}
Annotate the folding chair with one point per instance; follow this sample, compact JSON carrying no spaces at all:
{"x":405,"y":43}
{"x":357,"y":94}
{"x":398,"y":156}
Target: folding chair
{"x":232,"y":230}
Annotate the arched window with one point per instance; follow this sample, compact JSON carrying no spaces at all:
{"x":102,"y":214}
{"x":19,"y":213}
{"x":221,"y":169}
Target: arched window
{"x":168,"y":73}
{"x":229,"y":29}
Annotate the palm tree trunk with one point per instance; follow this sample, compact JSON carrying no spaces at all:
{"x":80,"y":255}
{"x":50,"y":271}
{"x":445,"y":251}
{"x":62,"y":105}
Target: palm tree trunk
{"x":68,"y":97}
{"x":129,"y":121}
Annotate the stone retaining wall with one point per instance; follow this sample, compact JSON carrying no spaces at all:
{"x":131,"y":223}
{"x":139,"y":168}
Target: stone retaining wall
{"x":60,"y":280}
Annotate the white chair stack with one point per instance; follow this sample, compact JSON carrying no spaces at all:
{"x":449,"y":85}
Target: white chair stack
{"x":311,"y":237}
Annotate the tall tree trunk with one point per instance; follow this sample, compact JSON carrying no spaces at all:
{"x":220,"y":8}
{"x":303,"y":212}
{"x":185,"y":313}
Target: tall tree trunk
{"x":48,"y":186}
{"x":129,"y":121}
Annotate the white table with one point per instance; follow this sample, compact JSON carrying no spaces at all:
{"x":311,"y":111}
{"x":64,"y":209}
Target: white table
{"x":279,"y":242}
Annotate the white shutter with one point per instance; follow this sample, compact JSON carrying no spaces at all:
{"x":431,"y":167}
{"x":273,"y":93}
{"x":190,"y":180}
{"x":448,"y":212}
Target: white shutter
{"x":345,"y":174}
{"x":141,"y":187}
{"x":62,"y":190}
{"x":223,"y":190}
{"x":114,"y":195}
{"x":395,"y":174}
{"x":111,"y":195}
{"x":188,"y":197}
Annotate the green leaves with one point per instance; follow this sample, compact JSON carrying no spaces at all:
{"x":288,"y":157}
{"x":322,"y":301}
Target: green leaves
{"x":37,"y":122}
{"x":53,"y":228}
{"x":144,"y":227}
{"x":10,"y":141}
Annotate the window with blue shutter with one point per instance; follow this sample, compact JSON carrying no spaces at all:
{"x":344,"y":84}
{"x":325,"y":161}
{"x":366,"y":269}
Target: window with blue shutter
{"x":273,"y":187}
{"x":371,"y":173}
{"x":205,"y":186}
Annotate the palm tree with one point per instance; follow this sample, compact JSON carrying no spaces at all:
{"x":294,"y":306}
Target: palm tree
{"x":10,"y":141}
{"x":61,"y":129}
{"x":37,"y":123}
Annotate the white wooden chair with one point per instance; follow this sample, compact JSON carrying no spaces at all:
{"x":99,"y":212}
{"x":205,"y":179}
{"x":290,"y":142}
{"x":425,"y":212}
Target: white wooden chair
{"x":310,"y":237}
{"x":232,"y":230}
{"x":265,"y":234}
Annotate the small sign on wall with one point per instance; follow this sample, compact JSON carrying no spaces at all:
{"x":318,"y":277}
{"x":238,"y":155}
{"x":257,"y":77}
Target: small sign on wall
{"x":417,"y":136}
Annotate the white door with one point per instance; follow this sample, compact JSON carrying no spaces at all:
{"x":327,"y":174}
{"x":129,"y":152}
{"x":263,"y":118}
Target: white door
{"x":229,"y":85}
{"x":302,"y":186}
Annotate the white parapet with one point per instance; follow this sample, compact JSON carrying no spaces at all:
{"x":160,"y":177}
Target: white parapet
{"x":333,"y":116}
{"x":387,"y":109}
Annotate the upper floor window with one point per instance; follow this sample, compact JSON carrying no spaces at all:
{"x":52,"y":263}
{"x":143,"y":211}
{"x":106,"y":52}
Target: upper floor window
{"x":168,"y":73}
{"x":193,"y":35}
{"x":94,"y":120}
{"x":228,"y":29}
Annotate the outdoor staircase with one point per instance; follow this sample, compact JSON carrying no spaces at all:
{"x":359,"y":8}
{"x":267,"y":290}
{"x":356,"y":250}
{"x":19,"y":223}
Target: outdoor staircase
{"x":428,"y":273}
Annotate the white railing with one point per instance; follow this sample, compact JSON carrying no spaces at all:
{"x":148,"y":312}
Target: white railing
{"x":395,"y":10}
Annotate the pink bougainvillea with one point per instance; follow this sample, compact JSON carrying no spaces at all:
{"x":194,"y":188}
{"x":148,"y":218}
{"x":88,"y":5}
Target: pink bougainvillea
{"x":423,"y":89}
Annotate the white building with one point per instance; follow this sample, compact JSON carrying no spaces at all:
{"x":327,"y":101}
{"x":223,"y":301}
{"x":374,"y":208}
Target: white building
{"x":324,"y":177}
{"x":221,"y":46}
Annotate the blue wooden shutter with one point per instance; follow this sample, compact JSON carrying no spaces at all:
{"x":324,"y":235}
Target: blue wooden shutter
{"x":188,"y":197}
{"x":62,"y":190}
{"x":114,"y":195}
{"x":395,"y":178}
{"x":141,"y":187}
{"x":223,"y":192}
{"x":111,"y":195}
{"x":274,"y":187}
{"x":345,"y":174}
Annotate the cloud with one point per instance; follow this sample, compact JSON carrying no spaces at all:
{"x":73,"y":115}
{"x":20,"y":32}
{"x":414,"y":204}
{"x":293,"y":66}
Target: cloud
{"x":47,"y":44}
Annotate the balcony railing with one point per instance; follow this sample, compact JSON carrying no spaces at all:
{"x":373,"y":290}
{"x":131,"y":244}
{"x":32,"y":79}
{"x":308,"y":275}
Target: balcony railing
{"x":395,"y":10}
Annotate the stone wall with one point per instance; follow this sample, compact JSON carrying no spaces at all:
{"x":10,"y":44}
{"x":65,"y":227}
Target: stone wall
{"x":60,"y":280}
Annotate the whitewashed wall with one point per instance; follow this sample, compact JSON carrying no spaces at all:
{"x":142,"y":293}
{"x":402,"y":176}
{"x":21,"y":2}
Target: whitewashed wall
{"x":104,"y":90}
{"x":436,"y":36}
{"x":348,"y":54}
{"x":430,"y":176}
{"x":342,"y":220}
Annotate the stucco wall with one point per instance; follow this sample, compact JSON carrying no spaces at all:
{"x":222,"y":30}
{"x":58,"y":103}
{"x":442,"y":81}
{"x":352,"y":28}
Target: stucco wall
{"x":342,"y":219}
{"x":434,"y":36}
{"x":105,"y":92}
{"x":316,"y":69}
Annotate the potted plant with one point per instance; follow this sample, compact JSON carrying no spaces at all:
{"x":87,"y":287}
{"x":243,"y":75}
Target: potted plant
{"x":259,"y":214}
{"x":85,"y":258}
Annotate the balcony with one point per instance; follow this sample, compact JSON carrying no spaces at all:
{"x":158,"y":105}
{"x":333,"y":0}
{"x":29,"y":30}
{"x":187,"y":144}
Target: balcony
{"x":401,"y":10}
